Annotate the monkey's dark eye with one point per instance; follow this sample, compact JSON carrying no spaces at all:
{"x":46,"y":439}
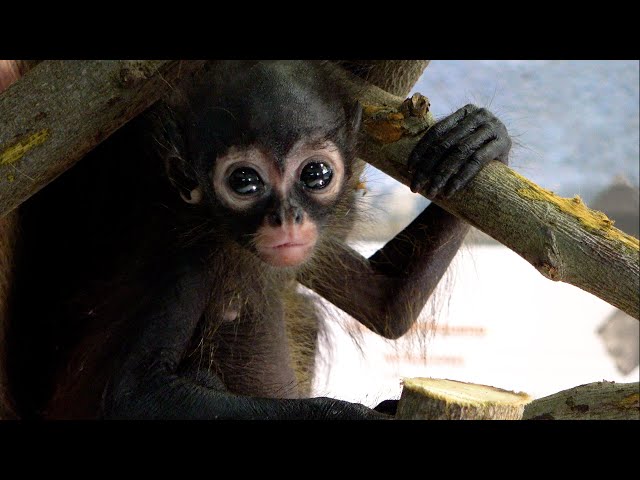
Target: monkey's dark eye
{"x":245,"y":181}
{"x":316,"y":175}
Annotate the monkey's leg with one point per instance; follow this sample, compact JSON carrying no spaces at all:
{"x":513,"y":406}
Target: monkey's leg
{"x":147,"y":383}
{"x":388,"y":291}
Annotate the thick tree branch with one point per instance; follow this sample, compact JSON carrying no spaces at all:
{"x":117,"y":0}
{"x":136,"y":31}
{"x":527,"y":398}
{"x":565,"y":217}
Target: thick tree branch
{"x":593,"y":401}
{"x":562,"y":238}
{"x":62,"y":109}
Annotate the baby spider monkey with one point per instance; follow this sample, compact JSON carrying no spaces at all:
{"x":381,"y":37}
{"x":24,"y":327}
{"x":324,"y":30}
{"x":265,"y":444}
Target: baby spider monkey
{"x":191,"y":310}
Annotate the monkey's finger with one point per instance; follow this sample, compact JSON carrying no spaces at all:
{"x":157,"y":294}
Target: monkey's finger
{"x":435,"y":134}
{"x":458,"y":155}
{"x":421,"y":180}
{"x":438,"y":163}
{"x":428,"y":167}
{"x":490,"y":151}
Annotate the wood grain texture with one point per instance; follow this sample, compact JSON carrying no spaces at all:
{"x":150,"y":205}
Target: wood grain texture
{"x":442,"y":399}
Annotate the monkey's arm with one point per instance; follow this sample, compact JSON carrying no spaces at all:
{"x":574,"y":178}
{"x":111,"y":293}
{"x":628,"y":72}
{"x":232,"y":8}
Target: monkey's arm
{"x":388,"y":291}
{"x":148,"y":383}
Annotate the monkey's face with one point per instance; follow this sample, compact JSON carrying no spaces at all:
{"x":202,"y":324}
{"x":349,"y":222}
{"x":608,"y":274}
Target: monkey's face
{"x":279,"y":205}
{"x":269,"y":147}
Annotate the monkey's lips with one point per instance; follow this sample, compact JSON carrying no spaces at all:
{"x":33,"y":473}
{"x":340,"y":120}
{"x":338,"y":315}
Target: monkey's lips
{"x":286,"y":254}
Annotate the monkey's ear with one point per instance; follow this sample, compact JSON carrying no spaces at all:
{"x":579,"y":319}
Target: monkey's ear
{"x":183,"y":179}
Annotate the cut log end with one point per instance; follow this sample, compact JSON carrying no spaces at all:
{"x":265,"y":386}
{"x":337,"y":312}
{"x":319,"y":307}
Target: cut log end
{"x":440,"y":399}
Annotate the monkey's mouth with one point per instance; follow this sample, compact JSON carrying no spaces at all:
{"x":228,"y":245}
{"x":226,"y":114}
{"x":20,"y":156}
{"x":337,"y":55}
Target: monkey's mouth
{"x":286,"y":254}
{"x":289,"y":245}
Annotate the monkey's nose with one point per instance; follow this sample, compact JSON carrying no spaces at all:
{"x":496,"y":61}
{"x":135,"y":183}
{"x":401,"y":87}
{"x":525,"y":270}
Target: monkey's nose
{"x":274,"y":219}
{"x":295,"y":215}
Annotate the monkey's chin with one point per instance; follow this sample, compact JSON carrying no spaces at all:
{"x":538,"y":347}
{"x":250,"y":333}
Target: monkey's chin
{"x":287,"y":254}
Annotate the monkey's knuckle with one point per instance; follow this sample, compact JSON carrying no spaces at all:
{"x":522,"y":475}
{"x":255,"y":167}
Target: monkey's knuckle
{"x":439,"y":129}
{"x":500,"y":128}
{"x":475,"y":161}
{"x":508,"y":143}
{"x":444,"y":146}
{"x":456,"y":184}
{"x":462,"y":149}
{"x":485,"y":116}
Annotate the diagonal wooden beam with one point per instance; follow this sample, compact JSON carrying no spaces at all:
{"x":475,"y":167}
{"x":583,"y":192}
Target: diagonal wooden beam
{"x":60,"y":110}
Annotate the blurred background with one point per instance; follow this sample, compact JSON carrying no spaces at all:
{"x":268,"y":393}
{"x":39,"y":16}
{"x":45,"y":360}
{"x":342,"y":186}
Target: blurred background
{"x":495,"y":319}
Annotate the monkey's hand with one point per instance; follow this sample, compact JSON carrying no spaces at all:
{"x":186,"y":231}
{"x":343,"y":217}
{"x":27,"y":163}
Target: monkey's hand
{"x":455,"y":149}
{"x":394,"y":284}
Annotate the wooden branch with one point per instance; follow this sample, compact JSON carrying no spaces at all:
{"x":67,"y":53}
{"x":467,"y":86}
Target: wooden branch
{"x":562,"y":238}
{"x":594,"y":401}
{"x":440,"y":399}
{"x":62,"y":109}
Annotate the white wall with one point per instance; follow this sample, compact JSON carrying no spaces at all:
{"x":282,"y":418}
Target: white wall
{"x":506,"y":326}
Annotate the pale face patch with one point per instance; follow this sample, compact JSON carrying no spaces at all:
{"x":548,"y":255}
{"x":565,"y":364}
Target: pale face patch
{"x":273,"y":179}
{"x":288,"y":245}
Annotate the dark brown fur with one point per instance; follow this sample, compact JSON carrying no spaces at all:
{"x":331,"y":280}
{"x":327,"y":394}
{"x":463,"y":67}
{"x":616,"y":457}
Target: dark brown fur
{"x":394,"y":76}
{"x":78,"y":260}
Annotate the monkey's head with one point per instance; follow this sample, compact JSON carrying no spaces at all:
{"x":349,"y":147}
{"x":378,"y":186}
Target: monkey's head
{"x":268,"y":149}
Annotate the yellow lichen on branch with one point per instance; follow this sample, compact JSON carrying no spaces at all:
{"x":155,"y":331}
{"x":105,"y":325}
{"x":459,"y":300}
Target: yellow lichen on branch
{"x":592,"y":220}
{"x":18,"y":149}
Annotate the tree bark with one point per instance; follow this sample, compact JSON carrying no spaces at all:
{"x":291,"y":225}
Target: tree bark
{"x":62,"y":109}
{"x":593,"y":401}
